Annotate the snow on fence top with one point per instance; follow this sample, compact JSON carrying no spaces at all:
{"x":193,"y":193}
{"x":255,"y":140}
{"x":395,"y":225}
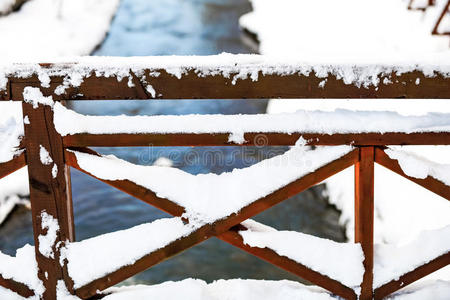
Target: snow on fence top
{"x":156,"y":77}
{"x":340,"y":261}
{"x":68,"y":122}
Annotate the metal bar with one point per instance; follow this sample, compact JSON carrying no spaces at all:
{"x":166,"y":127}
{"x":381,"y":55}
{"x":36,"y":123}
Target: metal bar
{"x":364,"y":215}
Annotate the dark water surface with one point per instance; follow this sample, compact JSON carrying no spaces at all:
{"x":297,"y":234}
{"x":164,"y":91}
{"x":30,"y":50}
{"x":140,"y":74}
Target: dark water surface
{"x":181,"y":27}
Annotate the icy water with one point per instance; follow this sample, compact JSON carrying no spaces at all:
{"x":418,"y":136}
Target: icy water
{"x":181,"y":27}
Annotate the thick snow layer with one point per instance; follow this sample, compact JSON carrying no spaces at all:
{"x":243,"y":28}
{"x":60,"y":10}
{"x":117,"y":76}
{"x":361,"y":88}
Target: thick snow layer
{"x":327,"y":27}
{"x":234,"y":289}
{"x":390,"y":261}
{"x":436,"y":290}
{"x":420,"y":167}
{"x":342,"y":121}
{"x":365,"y":71}
{"x":6,"y":294}
{"x":237,"y":289}
{"x":210,"y":197}
{"x":22,"y":268}
{"x":62,"y":293}
{"x":95,"y":257}
{"x":340,"y":261}
{"x":34,"y":96}
{"x":64,"y":28}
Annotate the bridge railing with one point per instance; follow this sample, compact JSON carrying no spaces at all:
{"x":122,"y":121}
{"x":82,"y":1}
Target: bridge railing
{"x":38,"y":86}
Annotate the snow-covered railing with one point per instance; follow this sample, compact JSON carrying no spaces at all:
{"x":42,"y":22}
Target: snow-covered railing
{"x":228,"y":76}
{"x":209,"y":205}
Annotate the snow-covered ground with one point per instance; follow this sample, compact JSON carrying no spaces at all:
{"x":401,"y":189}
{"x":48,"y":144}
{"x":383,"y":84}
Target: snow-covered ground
{"x":40,"y":30}
{"x":354,"y":29}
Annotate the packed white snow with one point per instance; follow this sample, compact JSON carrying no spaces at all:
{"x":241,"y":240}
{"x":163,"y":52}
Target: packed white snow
{"x":22,"y":268}
{"x":391,"y":261}
{"x":237,"y":289}
{"x":234,"y":289}
{"x":74,"y":27}
{"x":210,"y":197}
{"x":47,"y":240}
{"x":340,"y":261}
{"x":420,"y":167}
{"x":34,"y":96}
{"x":44,"y":156}
{"x":326,"y":27}
{"x":362,"y":72}
{"x":95,"y":257}
{"x":436,"y":290}
{"x":68,"y":122}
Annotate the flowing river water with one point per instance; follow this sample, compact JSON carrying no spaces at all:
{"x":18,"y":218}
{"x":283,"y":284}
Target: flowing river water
{"x":180,"y":27}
